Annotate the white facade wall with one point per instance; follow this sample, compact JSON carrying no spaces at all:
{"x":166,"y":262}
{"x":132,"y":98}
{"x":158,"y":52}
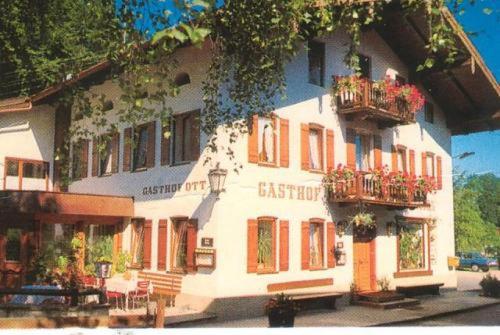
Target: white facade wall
{"x":27,"y":135}
{"x":225,"y":220}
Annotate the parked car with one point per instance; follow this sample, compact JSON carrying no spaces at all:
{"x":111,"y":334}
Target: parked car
{"x":476,"y":261}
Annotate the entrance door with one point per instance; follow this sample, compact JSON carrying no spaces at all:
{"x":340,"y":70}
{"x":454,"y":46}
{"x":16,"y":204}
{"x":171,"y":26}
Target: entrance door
{"x":364,"y":262}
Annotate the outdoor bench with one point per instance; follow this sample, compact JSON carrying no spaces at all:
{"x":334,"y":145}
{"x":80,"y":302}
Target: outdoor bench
{"x":422,"y":289}
{"x":326,"y":299}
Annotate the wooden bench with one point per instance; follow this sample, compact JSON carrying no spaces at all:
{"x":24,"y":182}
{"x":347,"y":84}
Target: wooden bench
{"x":422,"y":289}
{"x":318,"y":300}
{"x":163,"y":283}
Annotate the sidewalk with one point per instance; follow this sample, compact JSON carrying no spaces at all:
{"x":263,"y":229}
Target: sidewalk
{"x":357,"y":316}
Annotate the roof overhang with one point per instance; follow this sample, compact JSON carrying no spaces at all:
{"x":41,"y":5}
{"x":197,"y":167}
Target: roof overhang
{"x":466,"y":90}
{"x":65,"y":204}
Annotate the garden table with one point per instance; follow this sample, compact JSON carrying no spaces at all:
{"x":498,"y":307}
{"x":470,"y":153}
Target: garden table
{"x":117,"y":284}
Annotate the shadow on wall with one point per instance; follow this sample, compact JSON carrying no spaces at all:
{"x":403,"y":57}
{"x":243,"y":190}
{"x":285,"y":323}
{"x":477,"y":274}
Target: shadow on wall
{"x":27,"y":202}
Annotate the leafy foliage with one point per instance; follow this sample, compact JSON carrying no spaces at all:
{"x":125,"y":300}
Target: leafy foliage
{"x":476,"y":201}
{"x":490,"y":286}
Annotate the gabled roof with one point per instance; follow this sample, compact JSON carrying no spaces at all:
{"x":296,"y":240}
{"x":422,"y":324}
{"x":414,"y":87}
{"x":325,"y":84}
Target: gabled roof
{"x":467,"y":91}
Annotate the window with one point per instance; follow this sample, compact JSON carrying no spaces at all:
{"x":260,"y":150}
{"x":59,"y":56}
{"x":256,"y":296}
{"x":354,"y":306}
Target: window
{"x":78,"y":160}
{"x":141,"y":135}
{"x":13,"y":168}
{"x":315,"y":148}
{"x":56,"y":244}
{"x":411,"y":243}
{"x":316,"y":245}
{"x":401,"y":159}
{"x":365,"y":67}
{"x":13,"y":245}
{"x":105,"y":155}
{"x":265,"y":238}
{"x":429,"y":112}
{"x":179,"y":245}
{"x":137,"y":244}
{"x":29,"y":174}
{"x":363,"y":152}
{"x":429,"y":162}
{"x":316,"y":55}
{"x":186,"y":137}
{"x":266,"y":140}
{"x":400,"y":81}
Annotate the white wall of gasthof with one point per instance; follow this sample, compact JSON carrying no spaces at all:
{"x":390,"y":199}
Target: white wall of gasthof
{"x":225,"y":220}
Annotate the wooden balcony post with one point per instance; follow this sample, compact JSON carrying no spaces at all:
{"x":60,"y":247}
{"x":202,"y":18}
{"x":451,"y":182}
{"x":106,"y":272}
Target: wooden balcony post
{"x":359,"y":186}
{"x":366,"y":91}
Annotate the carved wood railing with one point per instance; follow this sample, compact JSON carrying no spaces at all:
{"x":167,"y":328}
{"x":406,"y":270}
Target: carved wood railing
{"x":368,"y":97}
{"x":366,"y":186}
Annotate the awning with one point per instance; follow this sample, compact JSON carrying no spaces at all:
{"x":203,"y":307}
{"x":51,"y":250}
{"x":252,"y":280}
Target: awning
{"x":61,"y":204}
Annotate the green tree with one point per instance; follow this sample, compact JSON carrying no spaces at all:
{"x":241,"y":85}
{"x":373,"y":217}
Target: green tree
{"x":488,"y":188}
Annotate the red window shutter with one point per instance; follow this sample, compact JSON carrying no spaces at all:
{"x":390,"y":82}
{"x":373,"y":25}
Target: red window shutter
{"x":424,"y":164}
{"x":192,"y":238}
{"x":351,"y":148}
{"x":95,"y":157}
{"x":150,"y":158}
{"x":330,"y":244}
{"x":195,"y":136}
{"x":284,"y":245}
{"x":284,"y":143}
{"x":253,"y":140}
{"x":394,"y":159}
{"x":146,"y":253}
{"x":377,"y":151}
{"x":439,"y":168}
{"x":127,"y":149}
{"x":330,"y":151}
{"x":305,"y":245}
{"x":165,"y":146}
{"x":412,"y":162}
{"x":115,"y":149}
{"x":162,"y":245}
{"x":252,"y":246}
{"x":304,"y":146}
{"x":85,"y":159}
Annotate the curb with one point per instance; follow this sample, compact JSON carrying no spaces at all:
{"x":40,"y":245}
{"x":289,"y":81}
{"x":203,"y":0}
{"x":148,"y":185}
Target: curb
{"x":437,"y":315}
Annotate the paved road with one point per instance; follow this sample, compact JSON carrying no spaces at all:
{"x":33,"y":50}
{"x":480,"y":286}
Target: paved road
{"x":489,"y":316}
{"x":468,"y":280}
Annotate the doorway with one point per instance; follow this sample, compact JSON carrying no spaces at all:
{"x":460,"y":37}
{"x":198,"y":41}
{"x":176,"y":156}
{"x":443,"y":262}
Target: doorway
{"x":364,"y":259}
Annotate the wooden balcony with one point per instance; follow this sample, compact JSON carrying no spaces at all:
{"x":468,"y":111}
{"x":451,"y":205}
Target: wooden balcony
{"x":366,"y":189}
{"x":370,"y":103}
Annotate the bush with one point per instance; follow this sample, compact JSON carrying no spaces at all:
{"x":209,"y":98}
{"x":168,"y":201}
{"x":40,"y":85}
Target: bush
{"x":491,"y":286}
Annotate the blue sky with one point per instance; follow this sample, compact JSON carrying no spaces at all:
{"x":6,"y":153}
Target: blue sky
{"x":486,"y":145}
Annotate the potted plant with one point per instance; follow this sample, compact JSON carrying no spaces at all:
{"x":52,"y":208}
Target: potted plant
{"x":345,"y":88}
{"x":103,"y":267}
{"x":281,"y":311}
{"x":363,"y":222}
{"x":337,"y":181}
{"x":383,"y":93}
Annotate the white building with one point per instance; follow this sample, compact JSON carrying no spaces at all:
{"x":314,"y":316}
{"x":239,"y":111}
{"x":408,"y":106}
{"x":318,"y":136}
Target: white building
{"x":274,"y":228}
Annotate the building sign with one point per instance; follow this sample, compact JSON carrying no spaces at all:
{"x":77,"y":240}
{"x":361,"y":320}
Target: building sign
{"x":192,"y":186}
{"x":207,"y":242}
{"x":289,"y":191}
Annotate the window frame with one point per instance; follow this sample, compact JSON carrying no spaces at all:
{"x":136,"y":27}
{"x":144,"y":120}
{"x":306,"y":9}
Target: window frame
{"x":273,"y":119}
{"x":76,"y":154}
{"x":321,"y":144}
{"x":273,"y":222}
{"x":369,"y":69}
{"x":136,"y":133}
{"x":426,"y":268}
{"x":320,"y":47}
{"x":175,"y":221}
{"x":322,"y":246}
{"x":371,"y":154}
{"x":429,"y":112}
{"x":133,"y":240}
{"x":432,"y":156}
{"x":182,"y":117}
{"x":402,"y":150}
{"x":45,"y":166}
{"x":109,"y":142}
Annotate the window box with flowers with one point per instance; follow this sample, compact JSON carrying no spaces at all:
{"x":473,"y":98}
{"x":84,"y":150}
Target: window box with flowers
{"x":339,"y":182}
{"x":347,"y":90}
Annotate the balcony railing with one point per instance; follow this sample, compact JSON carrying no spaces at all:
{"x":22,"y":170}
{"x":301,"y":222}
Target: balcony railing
{"x":371,"y":102}
{"x":365,"y":187}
